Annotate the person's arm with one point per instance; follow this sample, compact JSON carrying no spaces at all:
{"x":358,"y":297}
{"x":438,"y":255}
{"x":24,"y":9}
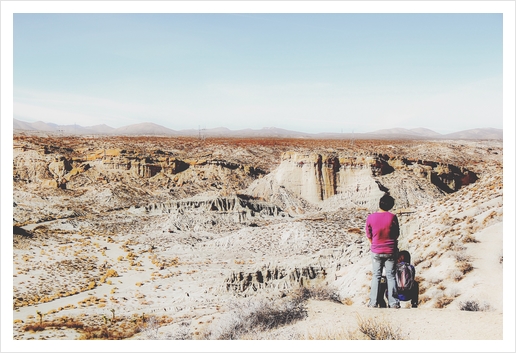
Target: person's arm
{"x":368,"y":231}
{"x":395,"y":230}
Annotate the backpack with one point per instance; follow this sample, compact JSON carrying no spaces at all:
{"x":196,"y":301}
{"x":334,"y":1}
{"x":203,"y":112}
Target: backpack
{"x":405,"y":274}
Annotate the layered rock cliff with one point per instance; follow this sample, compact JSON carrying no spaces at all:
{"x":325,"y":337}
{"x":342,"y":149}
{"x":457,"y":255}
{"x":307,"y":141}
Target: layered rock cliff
{"x":358,"y":181}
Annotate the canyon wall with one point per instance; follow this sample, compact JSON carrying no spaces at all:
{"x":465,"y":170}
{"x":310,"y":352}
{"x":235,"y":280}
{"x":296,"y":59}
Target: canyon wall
{"x":359,"y":181}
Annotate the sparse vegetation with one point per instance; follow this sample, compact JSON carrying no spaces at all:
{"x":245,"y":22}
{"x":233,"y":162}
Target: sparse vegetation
{"x":355,"y":231}
{"x":259,"y":315}
{"x":374,"y":329}
{"x":469,"y":238}
{"x":473,"y":305}
{"x":464,"y":267}
{"x":318,"y":292}
{"x":442,"y":302}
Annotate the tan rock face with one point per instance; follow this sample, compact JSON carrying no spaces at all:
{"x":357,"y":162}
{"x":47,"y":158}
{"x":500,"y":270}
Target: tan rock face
{"x":359,"y":180}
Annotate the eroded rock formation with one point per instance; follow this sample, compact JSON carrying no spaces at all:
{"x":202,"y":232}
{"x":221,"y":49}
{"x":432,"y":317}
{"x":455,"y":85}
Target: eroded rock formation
{"x":360,"y":180}
{"x":273,"y":278}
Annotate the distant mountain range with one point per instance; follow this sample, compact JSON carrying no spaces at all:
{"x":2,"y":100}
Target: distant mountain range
{"x":144,"y":129}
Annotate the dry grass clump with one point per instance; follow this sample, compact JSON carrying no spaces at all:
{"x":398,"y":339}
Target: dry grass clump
{"x":259,"y":315}
{"x":463,"y":266}
{"x":422,"y":288}
{"x":491,"y":216}
{"x":318,"y":292}
{"x":355,"y":230}
{"x":150,"y":328}
{"x":417,"y":261}
{"x":253,"y":319}
{"x":21,"y":242}
{"x":368,"y":329}
{"x":109,"y":273}
{"x":121,"y":327}
{"x":473,"y":305}
{"x":104,"y":327}
{"x":469,"y":238}
{"x":443,"y":302}
{"x":183,"y":333}
{"x":423,"y":299}
{"x":58,"y":324}
{"x":372,"y":329}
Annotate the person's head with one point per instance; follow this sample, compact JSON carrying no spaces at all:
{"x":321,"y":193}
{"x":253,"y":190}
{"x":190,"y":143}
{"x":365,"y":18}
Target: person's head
{"x":404,"y":256}
{"x":386,"y":202}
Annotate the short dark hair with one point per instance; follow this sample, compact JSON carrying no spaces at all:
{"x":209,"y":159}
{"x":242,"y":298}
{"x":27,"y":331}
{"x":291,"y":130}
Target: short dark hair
{"x":404,"y":256}
{"x":386,"y":202}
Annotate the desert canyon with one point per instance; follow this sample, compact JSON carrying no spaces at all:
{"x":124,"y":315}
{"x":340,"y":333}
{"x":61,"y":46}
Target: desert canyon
{"x":148,"y":237}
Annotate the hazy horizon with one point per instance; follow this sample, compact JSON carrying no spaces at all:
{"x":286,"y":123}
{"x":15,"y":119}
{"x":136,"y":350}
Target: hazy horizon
{"x":334,"y":72}
{"x":202,"y":128}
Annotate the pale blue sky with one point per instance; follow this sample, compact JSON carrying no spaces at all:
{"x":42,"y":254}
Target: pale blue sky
{"x":305,"y":72}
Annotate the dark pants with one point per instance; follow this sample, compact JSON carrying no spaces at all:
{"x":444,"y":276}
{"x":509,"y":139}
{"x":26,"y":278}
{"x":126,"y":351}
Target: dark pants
{"x":412,"y":294}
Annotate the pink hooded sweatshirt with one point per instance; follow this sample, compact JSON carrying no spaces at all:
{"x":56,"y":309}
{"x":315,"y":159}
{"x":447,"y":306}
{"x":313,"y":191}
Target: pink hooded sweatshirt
{"x":383,"y":229}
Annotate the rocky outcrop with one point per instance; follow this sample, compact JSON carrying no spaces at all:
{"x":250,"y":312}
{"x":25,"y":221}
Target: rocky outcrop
{"x":316,"y":178}
{"x":237,"y":204}
{"x":149,"y":166}
{"x":446,"y":177}
{"x":211,"y":213}
{"x":356,"y":180}
{"x":273,"y":278}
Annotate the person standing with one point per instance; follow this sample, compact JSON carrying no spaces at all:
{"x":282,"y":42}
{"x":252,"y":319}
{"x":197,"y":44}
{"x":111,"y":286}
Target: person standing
{"x":382,"y":230}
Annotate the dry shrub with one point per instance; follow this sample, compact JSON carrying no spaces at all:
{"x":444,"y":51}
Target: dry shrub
{"x":377,"y":330}
{"x":469,"y":238}
{"x":121,"y":328}
{"x":422,"y":287}
{"x":423,"y":299}
{"x":259,"y":315}
{"x":473,"y":305}
{"x":110,"y":334}
{"x":417,"y":261}
{"x":318,"y":292}
{"x":457,"y":275}
{"x":21,"y":242}
{"x":150,"y":328}
{"x":354,"y":230}
{"x":470,"y":220}
{"x":35,"y":327}
{"x":442,"y":302}
{"x":183,"y":333}
{"x":58,"y":324}
{"x":431,"y":254}
{"x":489,"y":217}
{"x":464,"y":267}
{"x":461,"y":256}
